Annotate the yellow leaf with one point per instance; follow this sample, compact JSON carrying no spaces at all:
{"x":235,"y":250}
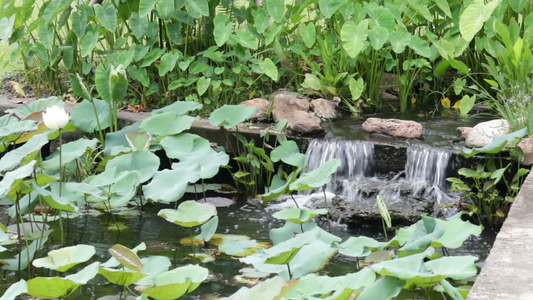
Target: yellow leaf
{"x":413,"y":100}
{"x":457,"y":104}
{"x":18,"y":88}
{"x":445,"y":102}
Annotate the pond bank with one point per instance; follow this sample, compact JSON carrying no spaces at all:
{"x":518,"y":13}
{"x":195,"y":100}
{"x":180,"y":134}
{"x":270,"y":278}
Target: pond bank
{"x":507,"y":271}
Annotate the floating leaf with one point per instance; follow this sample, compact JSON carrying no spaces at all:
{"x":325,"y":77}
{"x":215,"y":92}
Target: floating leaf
{"x":189,"y":213}
{"x":235,"y":244}
{"x":126,"y":257}
{"x":65,"y":258}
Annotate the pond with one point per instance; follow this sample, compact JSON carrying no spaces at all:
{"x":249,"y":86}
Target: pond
{"x":163,"y":238}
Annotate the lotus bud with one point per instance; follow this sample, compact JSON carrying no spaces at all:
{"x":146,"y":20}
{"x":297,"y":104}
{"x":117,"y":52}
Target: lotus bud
{"x":55,"y":117}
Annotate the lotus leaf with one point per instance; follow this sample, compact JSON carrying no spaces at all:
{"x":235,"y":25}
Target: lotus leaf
{"x":230,"y":115}
{"x":265,"y":290}
{"x":236,"y":245}
{"x":189,"y":213}
{"x":54,"y":200}
{"x":20,"y":287}
{"x":208,"y":229}
{"x":26,"y":255}
{"x":22,"y":154}
{"x":278,"y":187}
{"x":143,"y":161}
{"x":170,"y":185}
{"x":28,"y":108}
{"x":298,"y":215}
{"x":7,"y":186}
{"x":121,"y":277}
{"x":69,"y":152}
{"x":153,"y":266}
{"x":138,"y":140}
{"x":278,"y":235}
{"x":385,"y":287}
{"x":83,"y":115}
{"x":56,"y":287}
{"x":166,"y":123}
{"x":358,"y":246}
{"x":116,"y":142}
{"x":175,"y":283}
{"x":65,"y":258}
{"x":289,"y":153}
{"x":180,"y":107}
{"x":113,"y":262}
{"x":317,"y":177}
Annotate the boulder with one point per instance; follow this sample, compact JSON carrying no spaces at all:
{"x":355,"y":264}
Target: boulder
{"x":295,"y":110}
{"x":263,"y":107}
{"x":394,"y":127}
{"x":481,"y":135}
{"x":304,"y":122}
{"x":527,"y":147}
{"x":325,"y":109}
{"x":464,"y":131}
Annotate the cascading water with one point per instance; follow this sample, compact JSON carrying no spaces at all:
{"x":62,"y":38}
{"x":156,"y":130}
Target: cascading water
{"x":423,"y":178}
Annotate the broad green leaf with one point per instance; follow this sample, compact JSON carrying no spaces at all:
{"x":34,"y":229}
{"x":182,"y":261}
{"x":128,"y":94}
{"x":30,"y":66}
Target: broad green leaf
{"x":20,"y":155}
{"x":399,"y":40}
{"x":101,"y":80}
{"x":283,"y":257}
{"x":297,"y":215}
{"x":139,"y":26}
{"x":126,"y":257}
{"x":384,"y":288}
{"x":308,"y":34}
{"x":202,"y":85}
{"x":498,"y":142}
{"x":358,"y":246}
{"x":223,"y":29}
{"x":79,"y":23}
{"x":474,"y":16}
{"x":354,"y":37}
{"x":189,"y":213}
{"x":6,"y":185}
{"x":329,"y":7}
{"x":46,"y":35}
{"x":246,"y":39}
{"x":443,"y":5}
{"x":208,"y":229}
{"x":87,"y":43}
{"x":121,"y":277}
{"x":317,"y":177}
{"x":54,"y":200}
{"x":112,"y":262}
{"x":467,"y":103}
{"x":180,"y":107}
{"x":118,"y":83}
{"x":268,"y":289}
{"x":69,"y":152}
{"x":357,"y":87}
{"x":57,"y":287}
{"x":383,"y":18}
{"x":146,"y":6}
{"x":170,"y":185}
{"x":378,"y":36}
{"x":166,"y":123}
{"x":16,"y":289}
{"x":201,"y":7}
{"x":313,"y":82}
{"x":26,"y":256}
{"x":168,"y":63}
{"x":6,"y":27}
{"x":420,"y":46}
{"x":278,"y":187}
{"x":269,"y":68}
{"x":235,"y":244}
{"x":27,"y":109}
{"x":79,"y":88}
{"x":228,"y":116}
{"x":166,"y":9}
{"x":154,"y":55}
{"x":518,"y":5}
{"x":460,"y":66}
{"x":65,"y":258}
{"x":421,"y":7}
{"x":289,"y":153}
{"x":143,"y":161}
{"x":276,"y":9}
{"x":106,"y":14}
{"x":138,"y":140}
{"x":175,"y":283}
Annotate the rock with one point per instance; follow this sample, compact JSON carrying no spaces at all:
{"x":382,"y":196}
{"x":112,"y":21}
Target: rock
{"x":527,"y":147}
{"x":326,"y":109}
{"x":304,"y":122}
{"x":296,"y":111}
{"x":481,"y":135}
{"x":394,"y":127}
{"x":263,"y":107}
{"x":390,"y":81}
{"x":464,"y":131}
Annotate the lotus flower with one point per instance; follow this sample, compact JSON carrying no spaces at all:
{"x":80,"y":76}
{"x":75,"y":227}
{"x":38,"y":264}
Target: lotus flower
{"x":55,"y":117}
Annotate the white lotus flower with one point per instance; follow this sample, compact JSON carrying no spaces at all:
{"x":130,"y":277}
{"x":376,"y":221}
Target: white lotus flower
{"x":55,"y":117}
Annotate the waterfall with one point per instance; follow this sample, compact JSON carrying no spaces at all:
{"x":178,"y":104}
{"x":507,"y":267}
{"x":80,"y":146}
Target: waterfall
{"x":423,"y":178}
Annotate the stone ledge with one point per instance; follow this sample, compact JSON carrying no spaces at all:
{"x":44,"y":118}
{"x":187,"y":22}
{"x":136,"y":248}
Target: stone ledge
{"x":506,"y":274}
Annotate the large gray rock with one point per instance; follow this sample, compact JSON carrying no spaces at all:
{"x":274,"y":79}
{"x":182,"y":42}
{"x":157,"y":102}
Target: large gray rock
{"x":527,"y":148}
{"x":394,"y":127}
{"x":296,"y":111}
{"x":325,"y":109}
{"x":481,"y":135}
{"x":263,"y":107}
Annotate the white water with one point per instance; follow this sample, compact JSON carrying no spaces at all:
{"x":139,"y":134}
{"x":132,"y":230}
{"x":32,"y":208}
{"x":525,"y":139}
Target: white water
{"x":424,"y":175}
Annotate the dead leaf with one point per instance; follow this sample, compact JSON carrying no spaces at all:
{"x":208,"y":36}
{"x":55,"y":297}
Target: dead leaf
{"x":18,"y":88}
{"x":136,"y":107}
{"x":445,"y":102}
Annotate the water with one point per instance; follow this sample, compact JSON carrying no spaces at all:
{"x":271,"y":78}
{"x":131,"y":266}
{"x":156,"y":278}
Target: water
{"x":363,"y":174}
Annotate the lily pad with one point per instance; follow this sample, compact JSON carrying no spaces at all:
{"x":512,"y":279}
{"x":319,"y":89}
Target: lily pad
{"x":189,"y":213}
{"x":170,"y":185}
{"x":175,"y":283}
{"x":235,"y":244}
{"x":65,"y":258}
{"x":298,"y":215}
